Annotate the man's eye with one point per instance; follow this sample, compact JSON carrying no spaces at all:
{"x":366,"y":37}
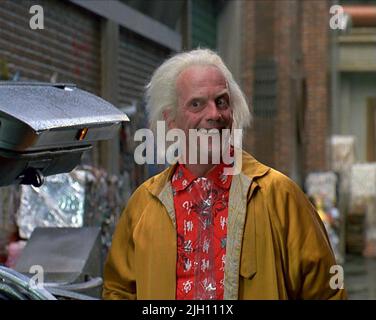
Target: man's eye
{"x":195,"y":104}
{"x":221,"y":102}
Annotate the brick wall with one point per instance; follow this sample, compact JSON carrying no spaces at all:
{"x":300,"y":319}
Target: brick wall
{"x":69,"y":44}
{"x":248,"y":57}
{"x":284,"y":45}
{"x":315,"y":48}
{"x":294,"y":34}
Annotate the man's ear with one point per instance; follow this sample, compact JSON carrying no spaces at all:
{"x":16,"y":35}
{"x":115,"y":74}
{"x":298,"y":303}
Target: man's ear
{"x":169,"y":119}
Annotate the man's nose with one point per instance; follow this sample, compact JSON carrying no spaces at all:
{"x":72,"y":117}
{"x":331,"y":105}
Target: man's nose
{"x":213,"y":112}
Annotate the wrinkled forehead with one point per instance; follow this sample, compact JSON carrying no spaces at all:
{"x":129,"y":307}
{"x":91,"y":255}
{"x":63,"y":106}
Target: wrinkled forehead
{"x":199,"y":76}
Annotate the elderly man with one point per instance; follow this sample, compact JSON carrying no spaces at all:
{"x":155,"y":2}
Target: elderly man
{"x":196,"y":232}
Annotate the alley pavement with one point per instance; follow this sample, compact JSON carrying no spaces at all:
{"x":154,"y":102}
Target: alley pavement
{"x":360,"y":277}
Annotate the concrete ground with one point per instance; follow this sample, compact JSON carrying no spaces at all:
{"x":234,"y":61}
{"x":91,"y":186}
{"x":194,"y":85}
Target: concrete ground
{"x":360,"y":277}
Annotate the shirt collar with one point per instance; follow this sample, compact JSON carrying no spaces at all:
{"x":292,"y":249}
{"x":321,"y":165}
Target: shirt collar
{"x":217,"y":175}
{"x":182,"y":177}
{"x":251,"y":168}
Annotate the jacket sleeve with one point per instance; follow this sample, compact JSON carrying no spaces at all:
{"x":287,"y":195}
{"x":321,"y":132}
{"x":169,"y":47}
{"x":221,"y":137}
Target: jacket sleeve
{"x":119,"y":269}
{"x":312,"y":272}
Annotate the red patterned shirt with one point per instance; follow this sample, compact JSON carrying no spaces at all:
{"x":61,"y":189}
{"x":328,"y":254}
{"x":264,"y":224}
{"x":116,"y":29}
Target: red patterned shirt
{"x":201,"y":206}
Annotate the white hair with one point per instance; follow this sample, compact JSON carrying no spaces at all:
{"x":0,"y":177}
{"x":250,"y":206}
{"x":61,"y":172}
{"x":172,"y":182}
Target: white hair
{"x":161,"y":94}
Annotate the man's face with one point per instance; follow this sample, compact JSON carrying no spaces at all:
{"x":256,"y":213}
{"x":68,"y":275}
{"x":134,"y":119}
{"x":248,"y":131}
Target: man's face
{"x":203,"y":100}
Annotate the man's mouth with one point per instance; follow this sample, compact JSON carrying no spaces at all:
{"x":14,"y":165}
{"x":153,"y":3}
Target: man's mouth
{"x":210,"y":131}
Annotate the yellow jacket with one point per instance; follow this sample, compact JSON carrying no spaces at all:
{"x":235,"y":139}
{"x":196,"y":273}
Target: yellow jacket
{"x":277,"y":247}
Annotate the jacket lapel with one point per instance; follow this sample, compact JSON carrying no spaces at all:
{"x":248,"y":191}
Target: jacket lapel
{"x":235,"y":227}
{"x":166,"y":197}
{"x":242,"y":188}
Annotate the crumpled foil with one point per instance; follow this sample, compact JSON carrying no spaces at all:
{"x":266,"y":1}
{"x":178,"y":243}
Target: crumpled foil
{"x":87,"y":196}
{"x":106,"y":197}
{"x":343,"y":157}
{"x":343,"y":152}
{"x":59,"y":202}
{"x":363,"y":180}
{"x":322,"y":184}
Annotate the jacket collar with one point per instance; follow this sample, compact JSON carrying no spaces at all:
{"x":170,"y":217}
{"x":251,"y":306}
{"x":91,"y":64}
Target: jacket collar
{"x":250,"y":168}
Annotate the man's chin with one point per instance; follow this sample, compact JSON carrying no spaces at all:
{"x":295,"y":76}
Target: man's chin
{"x":210,"y":155}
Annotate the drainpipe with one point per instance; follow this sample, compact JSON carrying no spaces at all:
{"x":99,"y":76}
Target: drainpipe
{"x":361,"y":15}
